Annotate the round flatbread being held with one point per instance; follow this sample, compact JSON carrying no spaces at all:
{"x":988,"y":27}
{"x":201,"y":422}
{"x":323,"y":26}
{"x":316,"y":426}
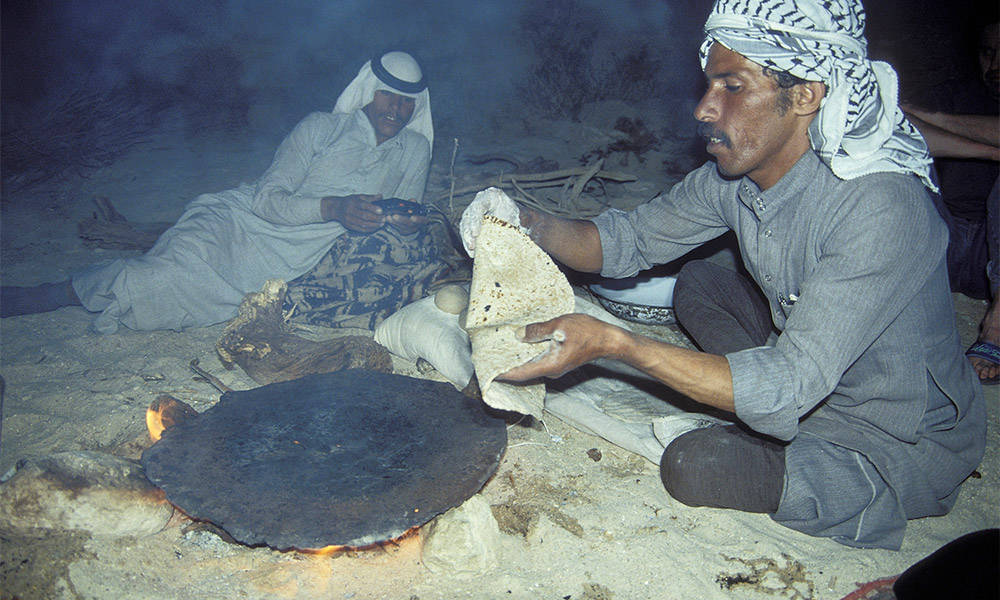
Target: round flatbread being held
{"x":514,"y":283}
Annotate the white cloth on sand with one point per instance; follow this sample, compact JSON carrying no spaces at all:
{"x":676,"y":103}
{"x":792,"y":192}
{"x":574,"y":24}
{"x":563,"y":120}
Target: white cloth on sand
{"x":624,"y":406}
{"x":606,"y":399}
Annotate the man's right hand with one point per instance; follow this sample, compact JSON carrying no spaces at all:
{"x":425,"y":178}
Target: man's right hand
{"x":491,"y":201}
{"x":356,"y":212}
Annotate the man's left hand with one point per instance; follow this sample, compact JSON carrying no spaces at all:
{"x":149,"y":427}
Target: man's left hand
{"x":576,"y":340}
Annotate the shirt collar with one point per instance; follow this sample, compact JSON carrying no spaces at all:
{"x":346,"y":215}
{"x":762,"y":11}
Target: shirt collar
{"x":790,"y":187}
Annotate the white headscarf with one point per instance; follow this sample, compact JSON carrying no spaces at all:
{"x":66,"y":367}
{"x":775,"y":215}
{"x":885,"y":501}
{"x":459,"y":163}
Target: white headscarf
{"x":395,"y":72}
{"x":860,"y":128}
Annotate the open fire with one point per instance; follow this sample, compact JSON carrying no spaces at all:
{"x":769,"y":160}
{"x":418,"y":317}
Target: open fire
{"x":166,"y":411}
{"x":347,"y":459}
{"x":412,"y":533}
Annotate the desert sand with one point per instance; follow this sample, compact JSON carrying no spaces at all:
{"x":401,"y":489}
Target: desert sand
{"x":580,"y":518}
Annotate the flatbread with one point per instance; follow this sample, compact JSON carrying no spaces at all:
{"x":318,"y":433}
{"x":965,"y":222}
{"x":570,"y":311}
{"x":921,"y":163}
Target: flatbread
{"x":514,"y":283}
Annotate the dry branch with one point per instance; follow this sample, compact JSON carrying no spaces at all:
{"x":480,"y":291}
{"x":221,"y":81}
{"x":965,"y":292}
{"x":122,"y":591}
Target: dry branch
{"x":77,"y":135}
{"x":531,"y":181}
{"x":110,"y":229}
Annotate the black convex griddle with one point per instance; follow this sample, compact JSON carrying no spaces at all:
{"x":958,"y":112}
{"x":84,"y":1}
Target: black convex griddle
{"x":349,"y":458}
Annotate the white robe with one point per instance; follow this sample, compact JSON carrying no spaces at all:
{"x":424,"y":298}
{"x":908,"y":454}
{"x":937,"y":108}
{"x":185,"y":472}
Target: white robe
{"x":228,"y":244}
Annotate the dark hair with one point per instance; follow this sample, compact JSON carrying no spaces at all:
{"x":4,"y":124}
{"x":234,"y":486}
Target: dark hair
{"x":784,"y":79}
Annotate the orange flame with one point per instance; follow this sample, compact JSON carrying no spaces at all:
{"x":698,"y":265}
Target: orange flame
{"x":164,"y":412}
{"x":334,"y":550}
{"x":154,"y":423}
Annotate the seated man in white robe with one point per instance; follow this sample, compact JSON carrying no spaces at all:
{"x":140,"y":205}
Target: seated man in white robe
{"x":321,"y":185}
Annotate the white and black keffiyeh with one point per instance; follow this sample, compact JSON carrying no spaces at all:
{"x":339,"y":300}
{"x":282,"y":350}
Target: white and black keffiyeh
{"x":395,"y":72}
{"x":860,"y":128}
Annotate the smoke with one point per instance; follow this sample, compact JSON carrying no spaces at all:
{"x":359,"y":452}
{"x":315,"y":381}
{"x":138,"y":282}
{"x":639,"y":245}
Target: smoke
{"x":264,"y":65}
{"x":270,"y":63}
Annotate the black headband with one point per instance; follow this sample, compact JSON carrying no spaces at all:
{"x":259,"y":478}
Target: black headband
{"x":407,"y":87}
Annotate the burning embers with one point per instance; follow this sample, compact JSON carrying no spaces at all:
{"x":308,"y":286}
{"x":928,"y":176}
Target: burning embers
{"x":411,"y":534}
{"x":166,"y":411}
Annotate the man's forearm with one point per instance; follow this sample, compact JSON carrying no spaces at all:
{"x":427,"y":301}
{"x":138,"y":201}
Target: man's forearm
{"x":945,"y":144}
{"x":981,"y":128}
{"x":703,"y":377}
{"x":575,"y":243}
{"x":984,"y":129}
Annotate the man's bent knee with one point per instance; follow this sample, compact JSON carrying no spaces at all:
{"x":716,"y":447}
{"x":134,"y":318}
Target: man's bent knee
{"x":682,"y":468}
{"x":693,"y":280}
{"x":720,"y":468}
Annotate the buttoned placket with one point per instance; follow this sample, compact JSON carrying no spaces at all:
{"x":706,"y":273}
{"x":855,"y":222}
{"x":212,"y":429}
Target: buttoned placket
{"x":766,"y":250}
{"x":754,"y":200}
{"x":766,"y":246}
{"x":761,"y":207}
{"x":758,"y":205}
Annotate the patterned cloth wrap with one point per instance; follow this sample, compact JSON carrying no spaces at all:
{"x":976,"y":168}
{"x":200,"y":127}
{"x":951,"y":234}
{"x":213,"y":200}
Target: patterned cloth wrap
{"x":365,"y":277}
{"x":860,"y":128}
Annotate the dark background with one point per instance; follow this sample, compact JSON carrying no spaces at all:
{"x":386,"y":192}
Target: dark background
{"x":83,"y":81}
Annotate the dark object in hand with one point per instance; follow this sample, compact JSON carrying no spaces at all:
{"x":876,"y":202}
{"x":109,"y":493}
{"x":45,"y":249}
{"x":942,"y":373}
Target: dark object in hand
{"x":398,"y":206}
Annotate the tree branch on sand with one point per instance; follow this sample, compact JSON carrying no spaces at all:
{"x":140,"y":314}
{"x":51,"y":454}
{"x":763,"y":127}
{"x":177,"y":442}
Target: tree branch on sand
{"x":570,"y":201}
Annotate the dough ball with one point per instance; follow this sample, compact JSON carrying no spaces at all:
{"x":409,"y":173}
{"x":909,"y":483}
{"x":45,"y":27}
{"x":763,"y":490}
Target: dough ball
{"x":451,"y":299}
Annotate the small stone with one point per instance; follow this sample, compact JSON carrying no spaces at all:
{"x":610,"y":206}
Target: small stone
{"x":92,"y":492}
{"x":463,"y":541}
{"x":451,"y":299}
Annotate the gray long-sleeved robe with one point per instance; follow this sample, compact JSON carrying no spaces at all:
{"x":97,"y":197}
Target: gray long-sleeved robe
{"x":867,"y":380}
{"x":228,"y":244}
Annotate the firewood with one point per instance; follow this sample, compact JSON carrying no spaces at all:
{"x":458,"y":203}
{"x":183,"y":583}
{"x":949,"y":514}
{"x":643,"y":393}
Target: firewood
{"x":259,"y":342}
{"x":541,"y":180}
{"x":109,"y":229}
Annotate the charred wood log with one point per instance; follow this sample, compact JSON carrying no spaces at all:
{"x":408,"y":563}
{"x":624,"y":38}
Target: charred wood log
{"x":258,"y":340}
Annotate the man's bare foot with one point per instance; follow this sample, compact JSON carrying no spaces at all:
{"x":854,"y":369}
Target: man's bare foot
{"x":989,"y":332}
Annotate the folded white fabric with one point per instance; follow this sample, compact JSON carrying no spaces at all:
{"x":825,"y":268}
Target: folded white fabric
{"x":422,"y":330}
{"x":608,"y":399}
{"x":618,"y":403}
{"x":668,"y":429}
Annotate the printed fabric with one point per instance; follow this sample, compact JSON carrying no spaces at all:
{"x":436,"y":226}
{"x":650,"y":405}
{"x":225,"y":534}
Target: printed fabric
{"x":364,"y":278}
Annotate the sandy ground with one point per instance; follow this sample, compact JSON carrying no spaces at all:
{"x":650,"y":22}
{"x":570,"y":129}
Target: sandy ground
{"x":573,"y":527}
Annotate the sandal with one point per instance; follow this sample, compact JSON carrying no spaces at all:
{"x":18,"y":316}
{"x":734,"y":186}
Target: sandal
{"x":988,"y":352}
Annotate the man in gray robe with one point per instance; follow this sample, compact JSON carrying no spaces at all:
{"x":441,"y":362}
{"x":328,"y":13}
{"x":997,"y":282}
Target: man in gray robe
{"x":851,"y":407}
{"x":375,"y":144}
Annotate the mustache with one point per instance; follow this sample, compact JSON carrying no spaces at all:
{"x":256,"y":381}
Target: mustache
{"x":707,"y":131}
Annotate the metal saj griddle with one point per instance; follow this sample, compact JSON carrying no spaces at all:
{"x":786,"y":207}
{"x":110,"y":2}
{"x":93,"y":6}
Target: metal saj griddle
{"x":349,"y":458}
